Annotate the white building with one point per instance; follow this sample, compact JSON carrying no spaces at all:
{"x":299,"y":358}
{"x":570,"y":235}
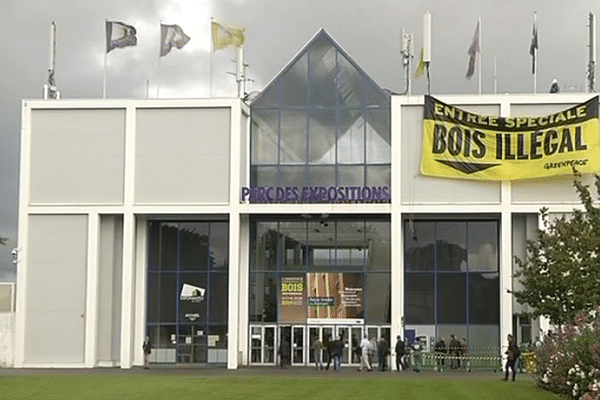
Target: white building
{"x":188,"y":221}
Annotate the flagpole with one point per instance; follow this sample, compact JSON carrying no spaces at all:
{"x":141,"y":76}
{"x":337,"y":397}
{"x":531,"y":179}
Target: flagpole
{"x":535,"y":54}
{"x":104,"y":77}
{"x":480,"y":57}
{"x":158,"y":64}
{"x":495,"y":77}
{"x":211,"y":58}
{"x":239,"y":71}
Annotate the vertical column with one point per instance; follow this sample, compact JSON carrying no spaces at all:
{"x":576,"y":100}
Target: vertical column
{"x":128,"y":289}
{"x":396,"y":236}
{"x":140,"y":289}
{"x":506,"y":266}
{"x":244,"y":271}
{"x":91,"y":302}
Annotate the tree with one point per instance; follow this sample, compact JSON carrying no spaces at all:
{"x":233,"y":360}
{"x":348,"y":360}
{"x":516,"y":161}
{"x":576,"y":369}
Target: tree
{"x":561,"y":275}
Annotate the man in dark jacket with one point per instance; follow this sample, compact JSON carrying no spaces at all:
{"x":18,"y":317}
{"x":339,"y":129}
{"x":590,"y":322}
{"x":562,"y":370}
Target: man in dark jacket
{"x":336,"y":349}
{"x":400,"y":348}
{"x":383,"y":350}
{"x":512,"y":354}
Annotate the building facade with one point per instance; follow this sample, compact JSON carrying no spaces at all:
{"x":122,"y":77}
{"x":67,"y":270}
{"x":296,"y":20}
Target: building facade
{"x":224,"y":230}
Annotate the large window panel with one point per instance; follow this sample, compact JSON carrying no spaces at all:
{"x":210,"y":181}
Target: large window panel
{"x":264,"y":176}
{"x":294,"y":176}
{"x":292,"y":256}
{"x":419,"y":246}
{"x":194,"y":246}
{"x":378,"y":298}
{"x":351,"y":137}
{"x":351,"y":176}
{"x":219,"y":246}
{"x":321,"y":241}
{"x":379,"y":176}
{"x":351,"y":246}
{"x":295,"y":83}
{"x":378,"y":134}
{"x":451,"y":246}
{"x":350,"y":83}
{"x":322,"y":137}
{"x":419,"y":298}
{"x":322,"y":73}
{"x":484,"y":295}
{"x":218,"y":297}
{"x":263,"y":297}
{"x":264,"y":256}
{"x":452,"y":298}
{"x":379,"y":246}
{"x":321,"y":175}
{"x":483,"y":246}
{"x":168,"y":247}
{"x":293,"y":137}
{"x":162,"y":297}
{"x":265,"y":139}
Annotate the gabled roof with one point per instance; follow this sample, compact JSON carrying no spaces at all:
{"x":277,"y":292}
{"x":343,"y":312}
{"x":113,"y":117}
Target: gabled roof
{"x":347,"y":88}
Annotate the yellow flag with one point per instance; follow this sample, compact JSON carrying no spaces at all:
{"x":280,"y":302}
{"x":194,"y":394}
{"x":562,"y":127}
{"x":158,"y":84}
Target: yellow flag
{"x":224,"y":36}
{"x":420,"y":68}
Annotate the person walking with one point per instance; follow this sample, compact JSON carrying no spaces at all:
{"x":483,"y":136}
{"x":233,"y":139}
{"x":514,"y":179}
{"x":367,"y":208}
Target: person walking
{"x":318,"y":349}
{"x":365,"y":345}
{"x":284,"y":353}
{"x":512,"y":353}
{"x":454,"y":351}
{"x":400,"y":348}
{"x":440,"y":350}
{"x":383,"y":350}
{"x":147,"y":347}
{"x":337,"y":348}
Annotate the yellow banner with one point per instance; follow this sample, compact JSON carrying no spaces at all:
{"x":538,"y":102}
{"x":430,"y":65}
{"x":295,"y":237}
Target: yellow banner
{"x":461,"y":144}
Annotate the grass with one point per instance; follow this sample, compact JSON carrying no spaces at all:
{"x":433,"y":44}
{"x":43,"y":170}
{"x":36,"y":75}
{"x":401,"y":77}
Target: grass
{"x":198,"y":387}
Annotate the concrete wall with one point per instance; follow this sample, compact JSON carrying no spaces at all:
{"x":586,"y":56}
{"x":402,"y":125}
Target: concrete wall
{"x":7,"y":339}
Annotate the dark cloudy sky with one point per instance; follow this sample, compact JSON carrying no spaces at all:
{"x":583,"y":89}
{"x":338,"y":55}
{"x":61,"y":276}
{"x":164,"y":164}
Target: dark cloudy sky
{"x":275,"y":31}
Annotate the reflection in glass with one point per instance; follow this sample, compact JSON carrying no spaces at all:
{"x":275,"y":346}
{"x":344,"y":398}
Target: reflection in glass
{"x":162,"y":295}
{"x":484,"y":292}
{"x":351,"y":138}
{"x":378,"y":176}
{"x":294,"y":83}
{"x":219,"y":246}
{"x":419,"y":246}
{"x":452,"y":298}
{"x":293,"y":175}
{"x":265,"y":140}
{"x":293,"y":144}
{"x":321,"y":137}
{"x":378,"y":298}
{"x":322,"y":73}
{"x":264,"y":176}
{"x":351,"y":176}
{"x":379,"y":252}
{"x":263,"y":297}
{"x":483,"y":246}
{"x":419,"y":298}
{"x":378,"y":137}
{"x":194,"y":246}
{"x":451,"y":246}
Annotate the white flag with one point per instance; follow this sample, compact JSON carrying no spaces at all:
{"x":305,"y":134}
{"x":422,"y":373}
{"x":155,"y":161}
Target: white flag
{"x":171,"y":36}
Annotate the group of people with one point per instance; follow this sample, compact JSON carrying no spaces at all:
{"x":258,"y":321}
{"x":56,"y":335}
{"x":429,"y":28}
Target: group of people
{"x":455,"y":349}
{"x":367,"y":350}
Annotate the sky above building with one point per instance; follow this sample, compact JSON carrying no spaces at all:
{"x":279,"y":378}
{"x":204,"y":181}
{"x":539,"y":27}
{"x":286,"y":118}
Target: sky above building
{"x":276,"y":30}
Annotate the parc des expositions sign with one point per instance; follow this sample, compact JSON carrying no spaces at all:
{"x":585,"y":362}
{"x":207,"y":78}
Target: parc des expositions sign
{"x":461,"y":144}
{"x":316,"y":194}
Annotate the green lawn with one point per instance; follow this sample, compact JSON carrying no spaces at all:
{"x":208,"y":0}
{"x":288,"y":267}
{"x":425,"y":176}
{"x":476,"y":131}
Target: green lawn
{"x":255,"y":387}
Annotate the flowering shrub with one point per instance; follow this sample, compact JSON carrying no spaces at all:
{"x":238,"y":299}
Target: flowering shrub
{"x":569,"y":361}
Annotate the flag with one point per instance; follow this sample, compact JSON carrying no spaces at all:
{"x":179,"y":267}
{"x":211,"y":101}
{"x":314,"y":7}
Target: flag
{"x":534,"y":44}
{"x":420,"y":68}
{"x":119,"y":34}
{"x":473,"y":50}
{"x":171,"y":35}
{"x":224,"y":36}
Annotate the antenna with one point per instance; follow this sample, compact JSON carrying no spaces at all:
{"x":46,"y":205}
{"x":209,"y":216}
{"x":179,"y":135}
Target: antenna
{"x":50,"y":91}
{"x":591,"y":67}
{"x":407,"y":51}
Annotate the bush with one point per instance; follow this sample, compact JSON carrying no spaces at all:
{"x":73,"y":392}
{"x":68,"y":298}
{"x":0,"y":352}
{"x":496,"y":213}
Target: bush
{"x":569,"y":361}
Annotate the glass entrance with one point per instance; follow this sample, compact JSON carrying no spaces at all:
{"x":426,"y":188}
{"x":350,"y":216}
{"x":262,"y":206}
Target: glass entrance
{"x":298,"y":346}
{"x":262,"y":344}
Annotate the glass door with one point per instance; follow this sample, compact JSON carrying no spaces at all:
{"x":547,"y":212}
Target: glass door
{"x":356,"y":337}
{"x":262,"y":344}
{"x":343,"y":333}
{"x":298,"y":345}
{"x":269,"y":353}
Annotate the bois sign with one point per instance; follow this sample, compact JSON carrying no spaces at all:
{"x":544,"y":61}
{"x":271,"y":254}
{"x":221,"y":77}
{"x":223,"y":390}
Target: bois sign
{"x":461,"y":144}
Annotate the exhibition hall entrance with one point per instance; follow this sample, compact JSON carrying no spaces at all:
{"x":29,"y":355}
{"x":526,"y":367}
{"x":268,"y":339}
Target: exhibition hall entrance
{"x":298,"y":342}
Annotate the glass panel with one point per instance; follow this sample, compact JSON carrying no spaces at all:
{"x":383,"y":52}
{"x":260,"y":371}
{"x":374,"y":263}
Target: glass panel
{"x":484,"y":292}
{"x":322,"y":72}
{"x":268,"y":98}
{"x":321,"y":241}
{"x":168,"y":247}
{"x":256,"y":344}
{"x":419,"y":298}
{"x":293,"y":176}
{"x":194,"y":246}
{"x":263,"y":297}
{"x":265,"y":140}
{"x":294,"y":83}
{"x":313,"y":335}
{"x":451,"y":246}
{"x":264,"y":176}
{"x":351,"y":248}
{"x":293,"y":239}
{"x":322,"y":176}
{"x":419,"y":248}
{"x":379,"y":137}
{"x":377,"y":99}
{"x":483,"y":246}
{"x":350,"y":84}
{"x":452,"y":298}
{"x":343,"y":333}
{"x":447,"y":330}
{"x":164,"y":342}
{"x":378,"y":300}
{"x":162,"y":297}
{"x":351,"y":176}
{"x":298,"y":345}
{"x":379,"y":176}
{"x":484,"y":340}
{"x":265,"y":246}
{"x":293,"y":137}
{"x":351,"y":137}
{"x":379,"y":252}
{"x":218,"y":297}
{"x":217,"y":344}
{"x":322,"y":137}
{"x":154,"y":246}
{"x":193,"y":299}
{"x":185,"y":345}
{"x":269,"y":340}
{"x":356,"y":338}
{"x":219,"y":246}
